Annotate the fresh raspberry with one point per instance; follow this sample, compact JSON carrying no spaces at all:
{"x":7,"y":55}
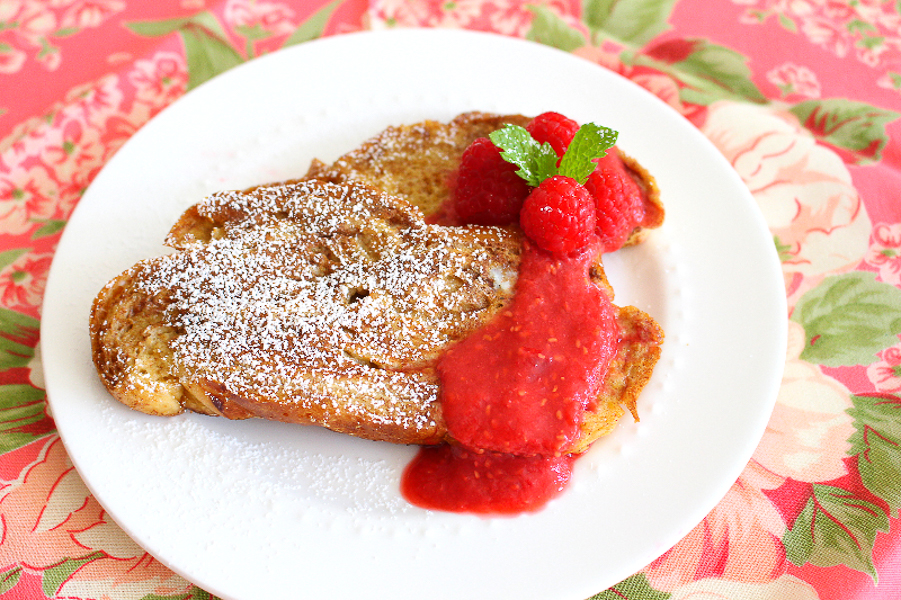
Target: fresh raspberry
{"x":559,"y":215}
{"x":618,"y":201}
{"x":553,"y":128}
{"x":487,"y":190}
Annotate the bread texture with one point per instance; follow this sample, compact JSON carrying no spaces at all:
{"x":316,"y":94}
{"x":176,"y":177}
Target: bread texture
{"x":329,"y":301}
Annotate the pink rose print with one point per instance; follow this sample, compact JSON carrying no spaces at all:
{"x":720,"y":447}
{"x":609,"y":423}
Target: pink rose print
{"x":160,"y":80}
{"x":792,"y":79}
{"x":43,"y":509}
{"x":508,"y":17}
{"x":34,"y":23}
{"x":785,"y":587}
{"x":885,"y":252}
{"x":22,"y":283}
{"x":68,"y":147}
{"x":606,"y":55}
{"x":38,"y":22}
{"x":835,"y":26}
{"x":886,"y":373}
{"x":803,"y":189}
{"x":739,"y":540}
{"x":94,"y":102}
{"x":77,"y":144}
{"x":258,"y":19}
{"x":130,"y":578}
{"x":80,"y":14}
{"x":32,"y":18}
{"x":26,"y":197}
{"x":807,"y":436}
{"x":47,"y":516}
{"x":11,"y":59}
{"x":399,"y":13}
{"x":661,"y":85}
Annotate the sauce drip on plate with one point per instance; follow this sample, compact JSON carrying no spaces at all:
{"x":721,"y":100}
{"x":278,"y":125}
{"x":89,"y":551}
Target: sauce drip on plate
{"x":514,"y":393}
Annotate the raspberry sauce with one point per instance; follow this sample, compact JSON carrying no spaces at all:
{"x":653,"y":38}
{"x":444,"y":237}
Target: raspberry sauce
{"x":514,"y":392}
{"x":453,"y":479}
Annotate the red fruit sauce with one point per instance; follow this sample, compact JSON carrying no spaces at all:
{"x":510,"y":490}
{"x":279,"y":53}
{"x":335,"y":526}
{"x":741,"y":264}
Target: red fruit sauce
{"x":453,"y":479}
{"x":514,"y":393}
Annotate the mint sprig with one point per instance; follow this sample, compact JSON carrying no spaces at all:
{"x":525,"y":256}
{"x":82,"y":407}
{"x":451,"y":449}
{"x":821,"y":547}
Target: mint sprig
{"x":538,"y":162}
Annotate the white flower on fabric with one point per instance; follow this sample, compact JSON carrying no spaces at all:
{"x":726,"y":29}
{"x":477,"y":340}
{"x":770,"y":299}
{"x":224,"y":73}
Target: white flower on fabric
{"x":787,"y":587}
{"x":804,"y":191}
{"x":807,"y":436}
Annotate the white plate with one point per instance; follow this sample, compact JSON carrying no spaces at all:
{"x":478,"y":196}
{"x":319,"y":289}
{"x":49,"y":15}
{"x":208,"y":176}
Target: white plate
{"x":253,"y":509}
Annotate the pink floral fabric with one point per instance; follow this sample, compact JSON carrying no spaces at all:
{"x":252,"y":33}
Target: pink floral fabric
{"x":814,"y":132}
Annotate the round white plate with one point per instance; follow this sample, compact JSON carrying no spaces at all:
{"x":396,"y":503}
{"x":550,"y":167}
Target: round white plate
{"x":254,"y":509}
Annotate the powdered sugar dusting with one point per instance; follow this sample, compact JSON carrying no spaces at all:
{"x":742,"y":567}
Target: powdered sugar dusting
{"x":333,"y":300}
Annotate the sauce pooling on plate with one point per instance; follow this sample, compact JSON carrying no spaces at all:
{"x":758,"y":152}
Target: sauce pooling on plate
{"x":514,"y":393}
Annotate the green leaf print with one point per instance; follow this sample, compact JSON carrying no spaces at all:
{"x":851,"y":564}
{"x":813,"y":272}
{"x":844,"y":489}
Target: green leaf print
{"x":635,"y":22}
{"x":708,"y":72}
{"x":207,"y":55}
{"x":207,"y":50}
{"x":856,"y":127}
{"x":50,"y":227}
{"x":835,"y":528}
{"x":16,"y":331}
{"x":8,"y":257}
{"x":877,"y":445}
{"x":22,"y":416}
{"x":848,"y":318}
{"x":9,"y":579}
{"x":313,"y":27}
{"x":54,"y":577}
{"x":635,"y":587}
{"x":204,"y":19}
{"x":713,"y":72}
{"x":549,"y":29}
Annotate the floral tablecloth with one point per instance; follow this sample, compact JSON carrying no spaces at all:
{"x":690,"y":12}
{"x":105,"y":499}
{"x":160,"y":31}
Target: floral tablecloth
{"x":803,"y":97}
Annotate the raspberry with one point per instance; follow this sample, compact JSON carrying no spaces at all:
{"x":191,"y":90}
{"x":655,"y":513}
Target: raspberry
{"x":559,"y":215}
{"x":553,"y":128}
{"x":488,"y":191}
{"x":618,"y":201}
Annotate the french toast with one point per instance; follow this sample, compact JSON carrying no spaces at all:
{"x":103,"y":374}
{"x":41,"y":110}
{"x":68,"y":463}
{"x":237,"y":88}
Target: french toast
{"x":418,"y":162}
{"x":329,"y":301}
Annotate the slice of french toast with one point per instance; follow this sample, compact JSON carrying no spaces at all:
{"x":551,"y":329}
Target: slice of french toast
{"x":320,"y":303}
{"x":310,"y":302}
{"x":327,"y":301}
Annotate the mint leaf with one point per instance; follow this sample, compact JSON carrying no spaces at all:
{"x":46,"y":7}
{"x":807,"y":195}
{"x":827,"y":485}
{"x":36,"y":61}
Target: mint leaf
{"x":590,"y":143}
{"x":536,"y":161}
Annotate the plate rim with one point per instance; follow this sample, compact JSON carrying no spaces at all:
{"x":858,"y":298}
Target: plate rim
{"x":411,"y":34}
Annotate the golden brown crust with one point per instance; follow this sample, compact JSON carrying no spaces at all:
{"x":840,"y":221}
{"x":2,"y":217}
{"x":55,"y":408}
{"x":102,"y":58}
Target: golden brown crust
{"x":325,"y":301}
{"x":311,"y":303}
{"x":418,"y":162}
{"x":627,"y":375}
